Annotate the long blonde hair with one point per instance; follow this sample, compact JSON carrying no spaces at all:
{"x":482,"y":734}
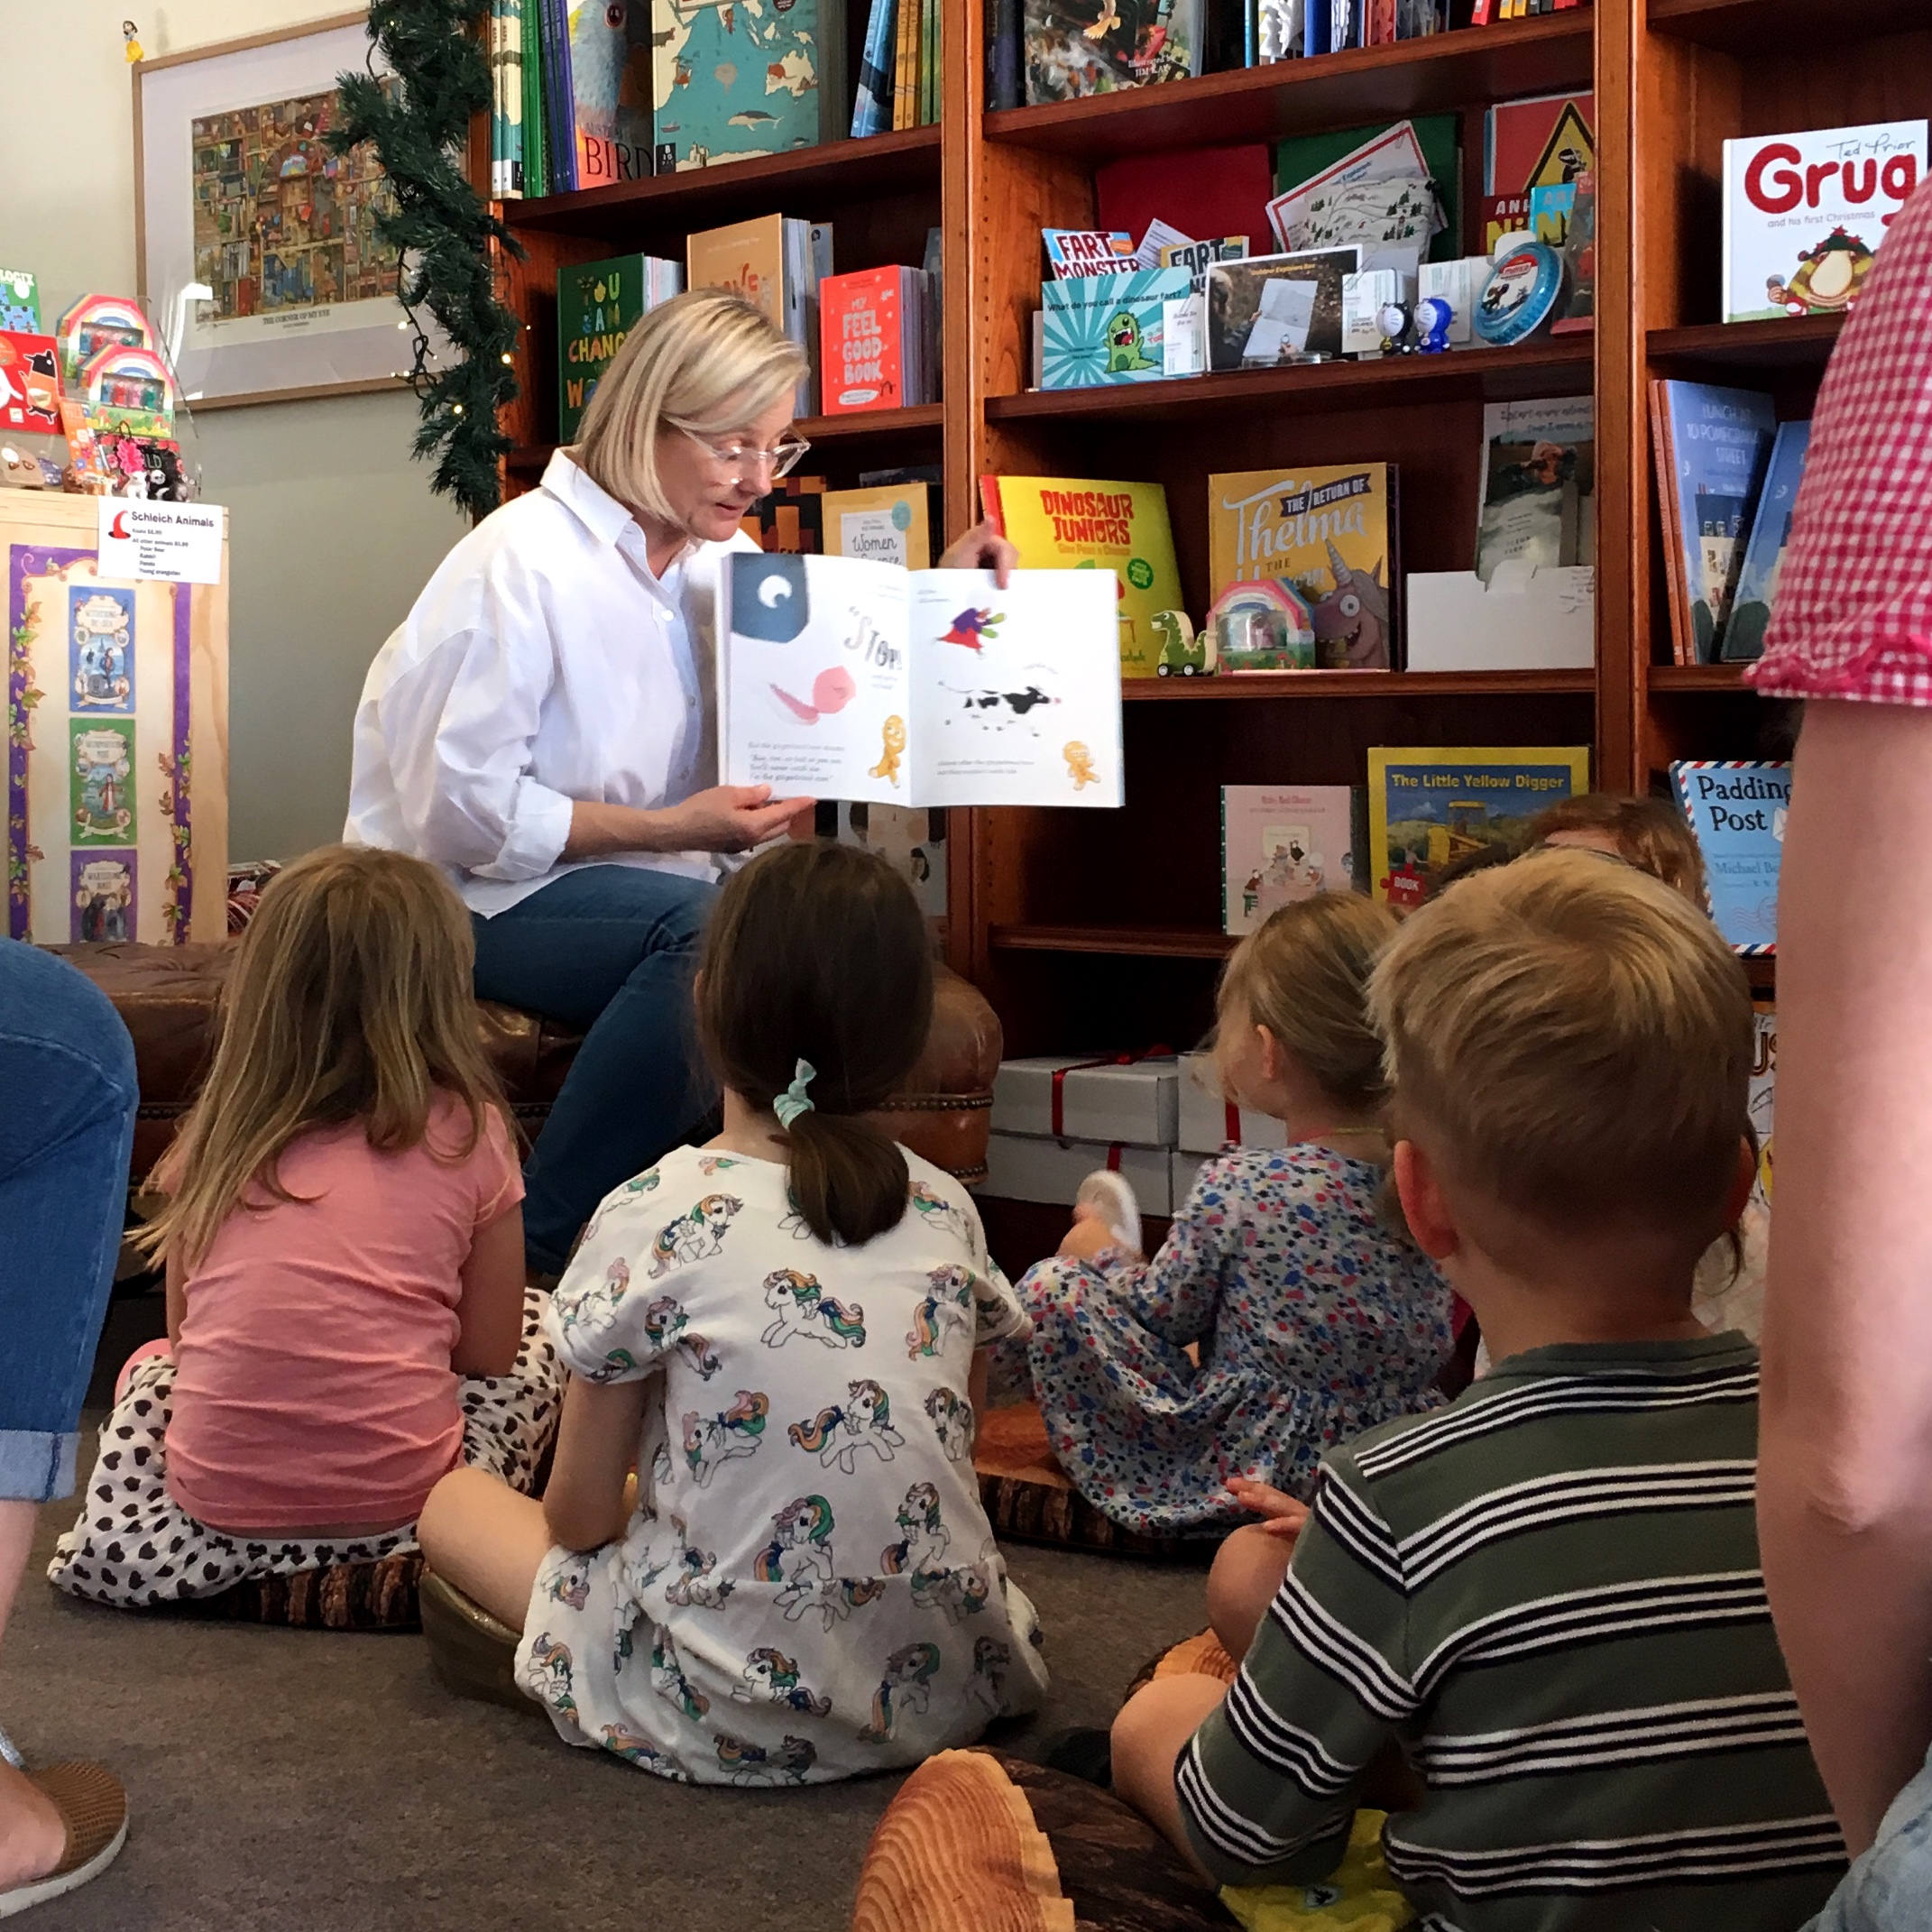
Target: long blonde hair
{"x":707,"y":361}
{"x":350,"y":1000}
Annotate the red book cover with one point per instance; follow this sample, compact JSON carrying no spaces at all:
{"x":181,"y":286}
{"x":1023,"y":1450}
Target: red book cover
{"x":1204,"y":193}
{"x":861,"y":341}
{"x":29,"y":384}
{"x":1548,"y":141}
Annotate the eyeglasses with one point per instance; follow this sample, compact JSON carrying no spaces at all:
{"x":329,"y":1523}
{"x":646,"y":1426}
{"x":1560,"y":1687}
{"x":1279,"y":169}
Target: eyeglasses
{"x":743,"y":462}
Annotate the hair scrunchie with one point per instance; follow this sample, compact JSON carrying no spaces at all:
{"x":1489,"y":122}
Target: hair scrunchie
{"x":795,"y":1101}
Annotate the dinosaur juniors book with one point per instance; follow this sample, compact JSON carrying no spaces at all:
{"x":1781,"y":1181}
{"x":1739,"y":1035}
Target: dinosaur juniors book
{"x":1329,"y":531}
{"x":1430,"y":805}
{"x":1120,"y":528}
{"x":840,"y":677}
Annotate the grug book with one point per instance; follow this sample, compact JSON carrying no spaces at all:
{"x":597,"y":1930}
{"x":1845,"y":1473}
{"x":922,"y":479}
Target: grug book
{"x":839,"y":678}
{"x":1430,"y":805}
{"x":1119,"y":528}
{"x":1737,"y":809}
{"x":1282,"y":842}
{"x":1770,"y":531}
{"x":1804,"y":215}
{"x":1328,"y":532}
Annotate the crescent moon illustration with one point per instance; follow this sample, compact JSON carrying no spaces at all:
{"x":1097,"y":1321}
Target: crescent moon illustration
{"x":771,"y":589}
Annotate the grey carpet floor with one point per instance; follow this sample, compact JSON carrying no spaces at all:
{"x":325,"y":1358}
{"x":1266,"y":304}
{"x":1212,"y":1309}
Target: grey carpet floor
{"x":293,"y":1780}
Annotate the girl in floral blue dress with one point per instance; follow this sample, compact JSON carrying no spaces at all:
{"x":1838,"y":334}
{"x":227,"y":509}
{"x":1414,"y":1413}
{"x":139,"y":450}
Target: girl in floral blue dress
{"x":1312,"y":1316}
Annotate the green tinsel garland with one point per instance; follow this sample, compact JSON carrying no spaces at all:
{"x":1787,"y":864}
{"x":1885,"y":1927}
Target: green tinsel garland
{"x":442,"y":231}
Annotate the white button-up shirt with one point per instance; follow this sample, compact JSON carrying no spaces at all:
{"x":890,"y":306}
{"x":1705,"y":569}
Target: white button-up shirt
{"x":544,"y":663}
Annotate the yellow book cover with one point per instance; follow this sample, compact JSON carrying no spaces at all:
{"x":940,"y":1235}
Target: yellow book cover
{"x":891,"y":524}
{"x":1327,"y":529}
{"x":1428,"y":804}
{"x":1063,"y":524}
{"x":749,"y":256}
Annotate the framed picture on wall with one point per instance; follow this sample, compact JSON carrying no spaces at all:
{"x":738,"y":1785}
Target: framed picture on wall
{"x":258,"y":254}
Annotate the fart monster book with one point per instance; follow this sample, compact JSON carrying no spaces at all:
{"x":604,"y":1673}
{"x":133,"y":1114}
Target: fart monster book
{"x":1058,"y":522}
{"x":843,"y":678}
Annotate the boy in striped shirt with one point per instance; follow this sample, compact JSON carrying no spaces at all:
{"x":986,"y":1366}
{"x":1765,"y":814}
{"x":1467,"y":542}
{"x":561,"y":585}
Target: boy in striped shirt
{"x":1547,"y":1596}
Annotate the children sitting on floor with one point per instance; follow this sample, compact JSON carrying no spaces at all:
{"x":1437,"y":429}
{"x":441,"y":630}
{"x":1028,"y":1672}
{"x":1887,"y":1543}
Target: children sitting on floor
{"x":343,"y":1242}
{"x":1314,"y":1319}
{"x":1548,"y":1595}
{"x":777,"y":1332}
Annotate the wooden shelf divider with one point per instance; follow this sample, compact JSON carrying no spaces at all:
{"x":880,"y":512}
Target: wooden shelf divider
{"x":1797,"y":342}
{"x":1294,"y":687}
{"x":1126,"y":942}
{"x":1698,"y":677}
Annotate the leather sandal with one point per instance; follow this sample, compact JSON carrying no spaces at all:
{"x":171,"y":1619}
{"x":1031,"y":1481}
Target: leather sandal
{"x":93,"y":1806}
{"x":474,"y":1653}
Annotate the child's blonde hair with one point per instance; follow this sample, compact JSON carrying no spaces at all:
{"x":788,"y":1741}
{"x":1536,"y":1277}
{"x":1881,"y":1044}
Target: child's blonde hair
{"x":1650,"y":834}
{"x":1572,"y":1040}
{"x":350,"y":1000}
{"x":1304,"y":976}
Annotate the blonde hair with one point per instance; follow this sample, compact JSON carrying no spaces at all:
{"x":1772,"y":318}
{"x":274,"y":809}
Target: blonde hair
{"x":1650,"y":834}
{"x":350,"y":1000}
{"x":708,"y":362}
{"x":1573,"y":1041}
{"x":1304,"y":976}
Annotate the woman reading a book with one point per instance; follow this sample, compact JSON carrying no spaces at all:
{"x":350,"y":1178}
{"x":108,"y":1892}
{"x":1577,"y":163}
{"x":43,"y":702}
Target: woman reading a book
{"x":544,"y":725}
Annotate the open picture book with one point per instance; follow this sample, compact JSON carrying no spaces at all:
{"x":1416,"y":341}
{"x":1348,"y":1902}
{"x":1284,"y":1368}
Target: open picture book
{"x":840,"y":677}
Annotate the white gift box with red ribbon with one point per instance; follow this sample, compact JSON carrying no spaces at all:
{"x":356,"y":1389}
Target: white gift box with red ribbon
{"x":1207,"y":1122}
{"x":1128,"y":1099}
{"x":1035,"y":1167}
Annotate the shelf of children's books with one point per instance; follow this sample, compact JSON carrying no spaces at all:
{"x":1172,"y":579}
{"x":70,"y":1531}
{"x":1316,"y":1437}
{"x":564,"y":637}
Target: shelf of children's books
{"x":1560,"y":365}
{"x":1698,"y":677}
{"x":863,"y":424}
{"x":1123,"y":940}
{"x":1796,"y":342}
{"x":1440,"y":71}
{"x":1287,"y":686}
{"x":801,"y":183}
{"x":1783,"y":27}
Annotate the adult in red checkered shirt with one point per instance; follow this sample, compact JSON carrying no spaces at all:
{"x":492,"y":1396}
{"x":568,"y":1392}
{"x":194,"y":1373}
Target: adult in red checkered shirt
{"x":1845,"y":1497}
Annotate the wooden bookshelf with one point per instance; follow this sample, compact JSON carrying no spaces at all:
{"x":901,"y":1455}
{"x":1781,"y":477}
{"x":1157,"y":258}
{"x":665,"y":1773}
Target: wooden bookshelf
{"x":1090,"y":929}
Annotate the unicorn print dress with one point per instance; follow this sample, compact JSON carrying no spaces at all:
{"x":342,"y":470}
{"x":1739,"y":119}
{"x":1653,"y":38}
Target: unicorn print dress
{"x":809,"y":1588}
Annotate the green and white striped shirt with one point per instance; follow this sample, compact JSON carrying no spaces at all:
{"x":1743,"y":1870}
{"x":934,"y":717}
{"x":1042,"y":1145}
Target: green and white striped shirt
{"x":1550,"y":1593}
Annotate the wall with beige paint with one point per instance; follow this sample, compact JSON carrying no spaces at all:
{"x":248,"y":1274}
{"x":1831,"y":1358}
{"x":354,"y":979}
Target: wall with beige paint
{"x":333,"y":527}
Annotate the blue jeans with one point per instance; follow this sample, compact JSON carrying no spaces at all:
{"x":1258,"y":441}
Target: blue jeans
{"x":1888,"y":1889}
{"x":610,"y":949}
{"x":68,"y":1094}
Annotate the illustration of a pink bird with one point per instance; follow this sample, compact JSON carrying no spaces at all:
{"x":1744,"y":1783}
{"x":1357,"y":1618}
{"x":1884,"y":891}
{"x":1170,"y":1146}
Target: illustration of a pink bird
{"x":832,"y":692}
{"x":970,"y":626}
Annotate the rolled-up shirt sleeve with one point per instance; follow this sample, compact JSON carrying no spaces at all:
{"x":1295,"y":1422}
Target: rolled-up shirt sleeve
{"x":459,"y":728}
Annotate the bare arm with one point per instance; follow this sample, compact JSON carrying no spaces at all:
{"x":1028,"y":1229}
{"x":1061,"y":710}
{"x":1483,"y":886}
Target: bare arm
{"x":728,"y":818}
{"x":490,"y":1312}
{"x":1845,"y":1489}
{"x":586,"y":1504}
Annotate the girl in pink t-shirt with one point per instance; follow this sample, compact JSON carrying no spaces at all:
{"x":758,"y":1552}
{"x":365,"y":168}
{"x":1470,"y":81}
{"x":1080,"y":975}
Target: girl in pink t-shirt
{"x":344,"y":1239}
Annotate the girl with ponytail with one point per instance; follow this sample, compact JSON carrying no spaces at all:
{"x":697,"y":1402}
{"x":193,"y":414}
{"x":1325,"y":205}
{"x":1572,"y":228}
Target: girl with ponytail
{"x":777,"y":1332}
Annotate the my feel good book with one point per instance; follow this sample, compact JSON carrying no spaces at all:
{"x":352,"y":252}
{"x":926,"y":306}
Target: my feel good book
{"x":840,"y":677}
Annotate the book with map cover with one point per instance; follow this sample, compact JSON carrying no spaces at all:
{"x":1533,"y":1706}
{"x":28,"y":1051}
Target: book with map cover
{"x":730,"y":80}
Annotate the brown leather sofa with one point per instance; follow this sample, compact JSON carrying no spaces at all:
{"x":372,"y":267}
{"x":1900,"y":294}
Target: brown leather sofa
{"x":169,"y":996}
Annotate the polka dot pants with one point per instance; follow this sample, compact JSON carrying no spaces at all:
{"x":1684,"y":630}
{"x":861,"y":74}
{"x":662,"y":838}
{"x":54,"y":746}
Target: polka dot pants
{"x":134,"y":1547}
